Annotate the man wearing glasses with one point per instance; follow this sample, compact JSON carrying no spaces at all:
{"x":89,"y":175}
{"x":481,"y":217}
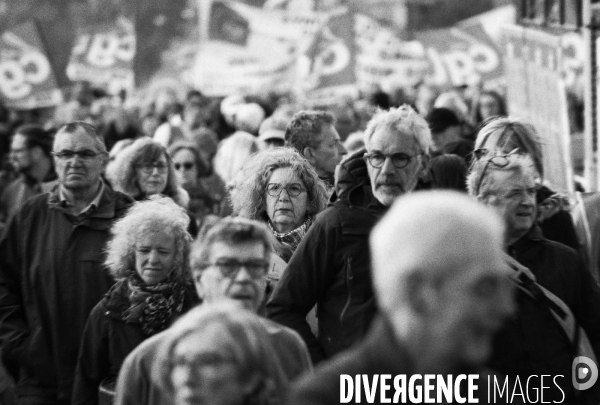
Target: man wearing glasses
{"x":230,"y":262}
{"x":331,"y":266}
{"x":535,"y":342}
{"x":51,"y":267}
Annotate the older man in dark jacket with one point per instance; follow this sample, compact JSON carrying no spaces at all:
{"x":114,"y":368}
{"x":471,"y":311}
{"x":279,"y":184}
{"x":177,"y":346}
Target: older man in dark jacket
{"x":331,"y":267}
{"x":51,"y":272}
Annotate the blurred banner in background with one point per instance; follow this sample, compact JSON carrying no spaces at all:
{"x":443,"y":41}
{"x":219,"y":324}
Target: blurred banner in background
{"x":103,"y":55}
{"x":248,"y":49}
{"x":27,"y":79}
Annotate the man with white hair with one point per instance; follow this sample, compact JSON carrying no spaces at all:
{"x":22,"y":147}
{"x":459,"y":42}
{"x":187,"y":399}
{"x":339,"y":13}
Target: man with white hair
{"x":551,"y":275}
{"x":331,"y":266}
{"x":442,"y":287}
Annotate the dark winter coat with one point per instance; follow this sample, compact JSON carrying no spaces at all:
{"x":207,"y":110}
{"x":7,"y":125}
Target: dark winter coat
{"x":51,"y":276}
{"x":108,"y":339}
{"x":331,"y":268}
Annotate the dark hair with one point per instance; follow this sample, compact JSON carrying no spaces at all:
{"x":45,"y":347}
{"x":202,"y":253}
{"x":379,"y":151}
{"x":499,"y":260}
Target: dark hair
{"x":36,"y":136}
{"x":305,"y":127}
{"x":440,"y":119}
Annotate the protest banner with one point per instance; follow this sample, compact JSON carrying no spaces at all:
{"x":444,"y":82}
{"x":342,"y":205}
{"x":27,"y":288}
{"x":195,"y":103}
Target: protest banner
{"x":27,"y":79}
{"x":536,"y":91}
{"x":103,"y":55}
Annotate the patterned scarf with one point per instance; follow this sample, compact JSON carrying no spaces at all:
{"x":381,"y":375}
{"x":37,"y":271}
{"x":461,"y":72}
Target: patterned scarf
{"x":153,"y":305}
{"x":292,"y":238}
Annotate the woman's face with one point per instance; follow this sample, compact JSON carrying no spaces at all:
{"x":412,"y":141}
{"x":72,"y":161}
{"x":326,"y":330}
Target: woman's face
{"x":154,"y":255}
{"x":205,"y":375}
{"x":285,"y":210}
{"x":152,"y":176}
{"x":185,"y":168}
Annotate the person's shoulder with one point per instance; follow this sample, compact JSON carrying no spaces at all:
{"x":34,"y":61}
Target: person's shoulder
{"x":560,"y":249}
{"x":282,"y":333}
{"x":145,"y":352}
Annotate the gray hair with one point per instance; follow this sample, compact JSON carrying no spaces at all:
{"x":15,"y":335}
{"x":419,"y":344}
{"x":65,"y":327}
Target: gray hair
{"x":89,"y":129}
{"x":484,"y":166}
{"x":497,"y":132}
{"x":243,"y":338}
{"x":156,"y":214}
{"x":403,"y":120}
{"x":248,"y":192}
{"x":305,"y":127}
{"x":426,"y":234}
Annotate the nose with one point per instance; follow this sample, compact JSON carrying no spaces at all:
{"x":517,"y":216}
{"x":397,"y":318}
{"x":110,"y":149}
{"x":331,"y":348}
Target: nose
{"x":243,"y":275}
{"x":388,"y":166}
{"x":284,"y":196}
{"x":153,"y":256}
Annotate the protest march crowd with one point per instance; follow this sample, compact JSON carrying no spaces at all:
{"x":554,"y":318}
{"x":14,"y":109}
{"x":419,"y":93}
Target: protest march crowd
{"x":255,"y":250}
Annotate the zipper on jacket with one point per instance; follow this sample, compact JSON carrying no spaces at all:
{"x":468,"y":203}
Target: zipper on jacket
{"x":349,"y":278}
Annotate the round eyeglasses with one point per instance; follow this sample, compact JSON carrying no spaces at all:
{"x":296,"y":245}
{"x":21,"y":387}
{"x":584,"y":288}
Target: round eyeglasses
{"x":399,"y":160}
{"x":293,"y":190}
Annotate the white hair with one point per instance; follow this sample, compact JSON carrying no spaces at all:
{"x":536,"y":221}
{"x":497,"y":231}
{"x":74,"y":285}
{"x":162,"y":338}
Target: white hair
{"x":430,"y":233}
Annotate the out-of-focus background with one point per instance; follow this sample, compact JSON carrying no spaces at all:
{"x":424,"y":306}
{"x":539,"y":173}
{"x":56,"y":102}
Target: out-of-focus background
{"x":540,"y":55}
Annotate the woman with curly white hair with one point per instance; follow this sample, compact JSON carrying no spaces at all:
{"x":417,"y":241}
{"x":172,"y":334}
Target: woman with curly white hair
{"x":148,"y":255}
{"x":278,"y":186}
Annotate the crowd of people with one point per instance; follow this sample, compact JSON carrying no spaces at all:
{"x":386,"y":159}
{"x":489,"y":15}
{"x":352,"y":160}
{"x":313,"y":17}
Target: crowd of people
{"x":253,"y":250}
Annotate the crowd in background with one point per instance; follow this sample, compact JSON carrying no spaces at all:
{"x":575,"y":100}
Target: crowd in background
{"x":187,"y":190}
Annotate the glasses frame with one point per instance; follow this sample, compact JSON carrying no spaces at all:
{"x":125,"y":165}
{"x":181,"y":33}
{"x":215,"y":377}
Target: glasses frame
{"x":148,"y":168}
{"x":238,"y":267}
{"x":185,"y":165}
{"x":286,"y":188}
{"x":369,"y":158}
{"x":91,"y":155}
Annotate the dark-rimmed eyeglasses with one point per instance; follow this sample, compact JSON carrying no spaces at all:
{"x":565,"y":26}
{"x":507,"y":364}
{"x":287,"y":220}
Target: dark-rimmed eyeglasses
{"x":148,"y":168}
{"x":184,"y":165}
{"x":230,"y":268}
{"x":399,"y":160}
{"x":85,"y":154}
{"x":293,"y":189}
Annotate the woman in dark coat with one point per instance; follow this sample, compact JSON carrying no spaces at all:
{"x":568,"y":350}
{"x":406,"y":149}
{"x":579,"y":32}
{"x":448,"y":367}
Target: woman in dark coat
{"x":148,"y":254}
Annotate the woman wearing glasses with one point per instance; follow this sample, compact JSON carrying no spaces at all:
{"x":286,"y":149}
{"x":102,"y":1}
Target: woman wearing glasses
{"x":206,"y":197}
{"x":278,"y":186}
{"x":506,"y":135}
{"x":148,"y":255}
{"x":144,"y":169}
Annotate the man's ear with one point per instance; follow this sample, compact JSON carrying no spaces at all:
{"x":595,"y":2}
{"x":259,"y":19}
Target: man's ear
{"x":420,"y":293}
{"x":200,"y":290}
{"x":424,"y":169}
{"x":309,"y":154}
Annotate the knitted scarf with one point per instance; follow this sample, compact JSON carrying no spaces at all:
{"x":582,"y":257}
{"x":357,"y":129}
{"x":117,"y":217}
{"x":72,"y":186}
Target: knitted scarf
{"x":152,"y":306}
{"x":292,"y":238}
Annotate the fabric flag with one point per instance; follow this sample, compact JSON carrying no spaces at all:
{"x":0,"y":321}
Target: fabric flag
{"x":330,"y":65}
{"x":227,"y":25}
{"x":103,"y":55}
{"x":27,"y":79}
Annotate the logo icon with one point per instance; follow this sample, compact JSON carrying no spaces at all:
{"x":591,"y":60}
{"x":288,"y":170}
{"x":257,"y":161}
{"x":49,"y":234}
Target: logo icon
{"x":585,"y":373}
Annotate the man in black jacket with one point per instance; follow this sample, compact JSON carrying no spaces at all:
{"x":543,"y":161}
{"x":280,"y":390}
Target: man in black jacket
{"x":533,"y":342}
{"x":441,"y":283}
{"x":331,"y":266}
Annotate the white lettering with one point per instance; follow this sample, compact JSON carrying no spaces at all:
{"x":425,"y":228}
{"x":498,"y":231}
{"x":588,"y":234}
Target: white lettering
{"x":412,"y":390}
{"x":457,"y":396}
{"x":400,"y":389}
{"x":346,"y":388}
{"x":472,"y":386}
{"x":558,"y":386}
{"x":444,"y":386}
{"x":385,"y":386}
{"x":370,"y":389}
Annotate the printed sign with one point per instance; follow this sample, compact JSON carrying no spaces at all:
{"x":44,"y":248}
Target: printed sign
{"x":27,"y":80}
{"x":536,"y":91}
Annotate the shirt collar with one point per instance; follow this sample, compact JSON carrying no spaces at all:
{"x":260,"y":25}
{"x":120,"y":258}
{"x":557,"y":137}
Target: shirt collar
{"x":91,"y":206}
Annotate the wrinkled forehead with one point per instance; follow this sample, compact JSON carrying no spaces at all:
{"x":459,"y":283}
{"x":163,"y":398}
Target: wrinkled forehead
{"x":391,"y":140}
{"x":248,"y":250}
{"x":284,"y":175}
{"x":78,"y":140}
{"x":506,"y":180}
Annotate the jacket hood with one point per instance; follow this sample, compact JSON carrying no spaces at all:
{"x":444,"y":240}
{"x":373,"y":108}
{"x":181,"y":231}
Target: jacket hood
{"x":352,"y":183}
